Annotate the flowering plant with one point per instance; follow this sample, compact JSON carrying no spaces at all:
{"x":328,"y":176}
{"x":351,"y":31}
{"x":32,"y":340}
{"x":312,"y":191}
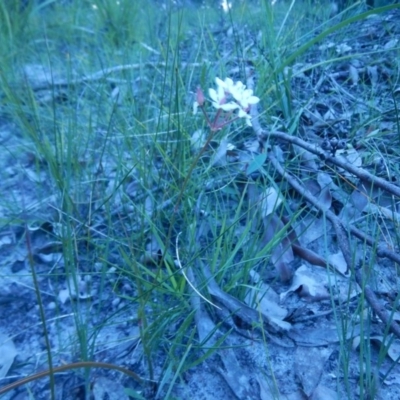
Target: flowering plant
{"x":227,"y":98}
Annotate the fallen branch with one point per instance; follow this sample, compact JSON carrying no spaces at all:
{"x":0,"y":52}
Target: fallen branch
{"x":104,"y":73}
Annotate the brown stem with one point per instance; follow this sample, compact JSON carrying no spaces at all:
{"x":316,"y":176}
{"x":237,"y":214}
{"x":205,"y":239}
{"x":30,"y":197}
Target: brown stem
{"x":376,"y":305}
{"x":62,"y":368}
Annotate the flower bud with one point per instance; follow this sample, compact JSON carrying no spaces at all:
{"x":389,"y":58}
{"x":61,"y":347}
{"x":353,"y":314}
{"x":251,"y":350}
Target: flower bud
{"x":200,"y":96}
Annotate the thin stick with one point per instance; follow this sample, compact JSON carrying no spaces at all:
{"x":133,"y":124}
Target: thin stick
{"x":104,"y":72}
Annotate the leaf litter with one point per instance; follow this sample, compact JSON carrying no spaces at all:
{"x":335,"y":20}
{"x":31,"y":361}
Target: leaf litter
{"x":292,"y":306}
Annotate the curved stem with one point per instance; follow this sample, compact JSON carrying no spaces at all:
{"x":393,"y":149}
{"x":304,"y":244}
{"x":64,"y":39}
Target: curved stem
{"x":81,"y":364}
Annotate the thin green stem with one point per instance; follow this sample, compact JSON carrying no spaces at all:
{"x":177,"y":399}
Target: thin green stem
{"x":41,"y":311}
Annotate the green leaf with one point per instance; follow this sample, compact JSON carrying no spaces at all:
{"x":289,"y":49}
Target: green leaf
{"x":257,"y":163}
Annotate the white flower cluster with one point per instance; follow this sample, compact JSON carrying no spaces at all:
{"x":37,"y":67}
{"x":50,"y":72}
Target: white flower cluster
{"x":240,"y":97}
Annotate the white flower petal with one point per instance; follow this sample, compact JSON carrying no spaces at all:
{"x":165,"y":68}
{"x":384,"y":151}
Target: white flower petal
{"x":195,"y":107}
{"x":242,"y":113}
{"x":239,"y":86}
{"x":219,"y":82}
{"x":213,"y":94}
{"x":217,"y":95}
{"x":221,"y":93}
{"x":229,"y":106}
{"x":228,"y":83}
{"x":253,"y":100}
{"x":241,"y":98}
{"x":248,"y":98}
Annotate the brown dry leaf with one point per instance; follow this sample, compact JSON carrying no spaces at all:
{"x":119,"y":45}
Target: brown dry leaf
{"x":235,"y":376}
{"x":373,"y":200}
{"x":309,"y":366}
{"x":343,"y":48}
{"x":36,"y":176}
{"x":252,"y":146}
{"x":351,"y":156}
{"x":308,"y":159}
{"x":391,"y":44}
{"x":269,"y":292}
{"x":373,"y":74}
{"x":7,"y":354}
{"x":383,"y":212}
{"x":269,"y":201}
{"x":308,"y":284}
{"x":394,"y":345}
{"x":322,"y":193}
{"x":354,"y":75}
{"x":369,"y":198}
{"x":354,"y":207}
{"x":79,"y":288}
{"x":338,"y":262}
{"x":313,"y":283}
{"x":326,"y":46}
{"x":323,"y":393}
{"x":310,"y":229}
{"x":363,"y":194}
{"x":268,"y":391}
{"x":206,"y":329}
{"x":198,"y":140}
{"x":325,"y":196}
{"x":6,"y":240}
{"x":324,"y":335}
{"x":104,"y":388}
{"x":282,"y":253}
{"x":219,"y":157}
{"x":330,"y":115}
{"x":302,"y":252}
{"x":260,"y":298}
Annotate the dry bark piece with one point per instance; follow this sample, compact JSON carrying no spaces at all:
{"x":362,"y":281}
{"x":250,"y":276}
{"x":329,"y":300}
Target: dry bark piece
{"x":309,"y":366}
